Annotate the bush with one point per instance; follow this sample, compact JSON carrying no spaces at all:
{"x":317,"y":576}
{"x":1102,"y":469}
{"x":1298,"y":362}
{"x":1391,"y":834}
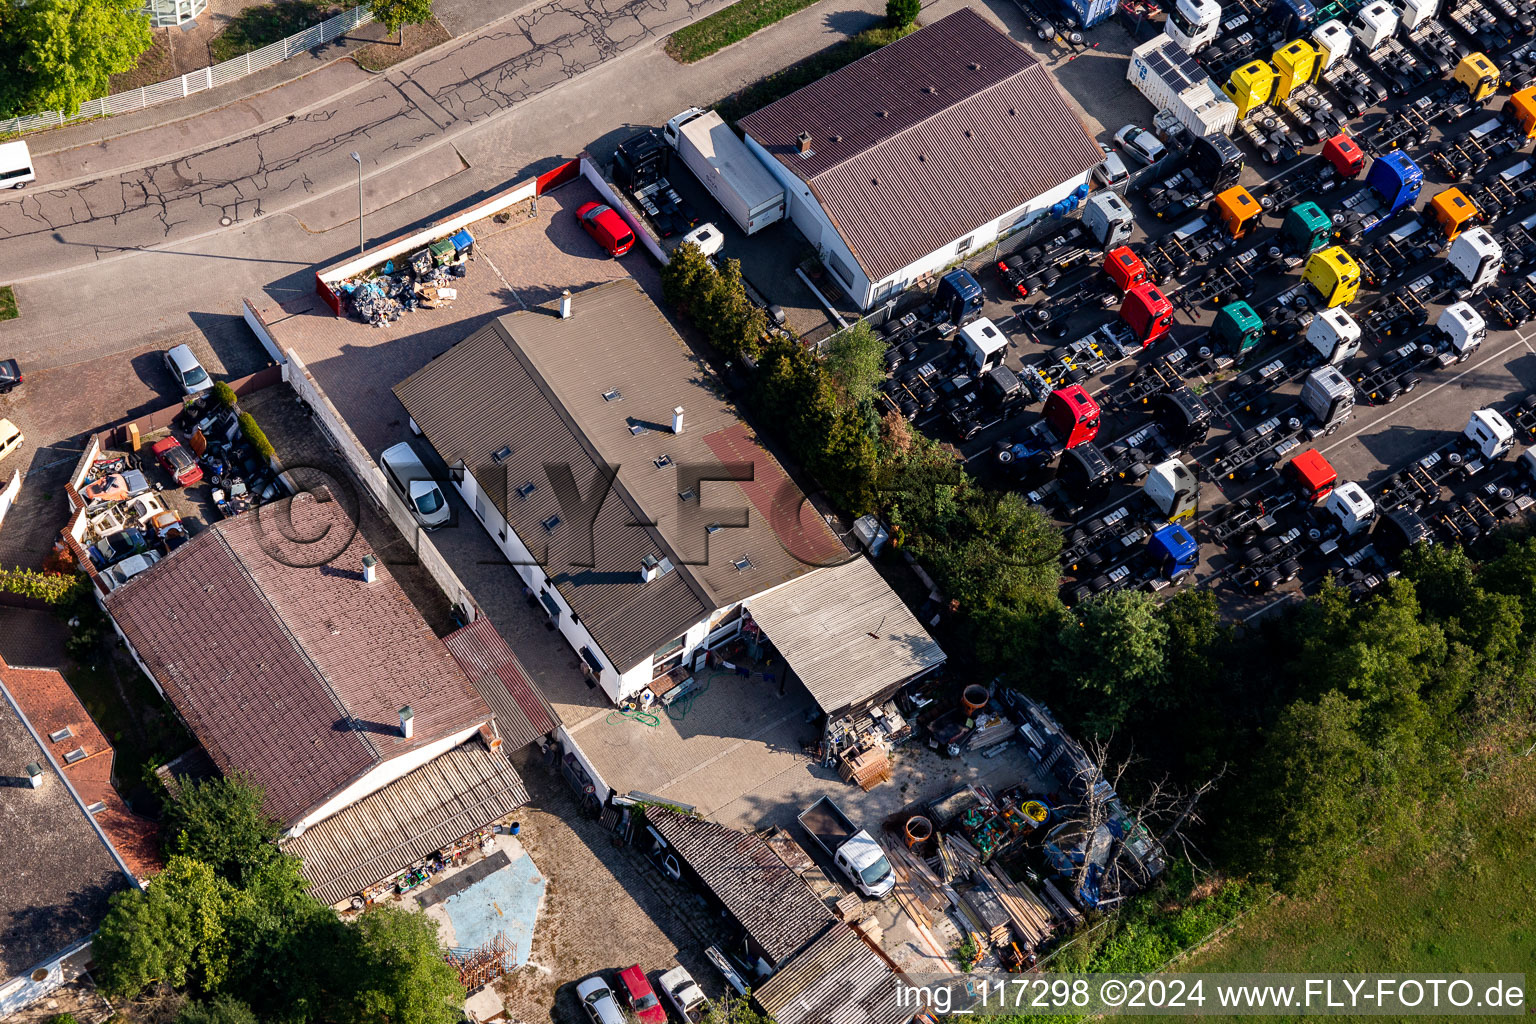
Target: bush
{"x":901,"y":13}
{"x":724,"y":27}
{"x":251,"y":431}
{"x":49,"y":587}
{"x":224,"y":395}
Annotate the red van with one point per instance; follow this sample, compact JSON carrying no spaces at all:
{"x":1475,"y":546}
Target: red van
{"x":606,"y":227}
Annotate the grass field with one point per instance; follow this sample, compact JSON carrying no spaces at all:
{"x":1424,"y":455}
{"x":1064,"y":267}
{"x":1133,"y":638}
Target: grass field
{"x":1455,"y":897}
{"x":731,"y":25}
{"x":8,"y":309}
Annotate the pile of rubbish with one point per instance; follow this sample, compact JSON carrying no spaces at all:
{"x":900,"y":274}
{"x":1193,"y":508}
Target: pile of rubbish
{"x":424,"y":281}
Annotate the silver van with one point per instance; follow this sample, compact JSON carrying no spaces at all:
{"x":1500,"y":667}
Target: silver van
{"x":411,"y":480}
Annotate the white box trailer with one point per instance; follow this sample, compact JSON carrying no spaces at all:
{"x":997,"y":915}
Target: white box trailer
{"x":1171,"y":79}
{"x":727,"y":168}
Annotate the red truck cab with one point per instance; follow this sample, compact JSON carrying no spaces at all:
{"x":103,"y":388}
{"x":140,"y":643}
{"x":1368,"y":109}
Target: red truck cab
{"x":1312,"y":474}
{"x":1345,"y":155}
{"x":1073,"y":415}
{"x":1147,"y":311}
{"x":1125,"y":268}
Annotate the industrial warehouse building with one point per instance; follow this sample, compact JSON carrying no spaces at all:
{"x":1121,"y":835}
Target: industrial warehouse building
{"x":925,"y":151}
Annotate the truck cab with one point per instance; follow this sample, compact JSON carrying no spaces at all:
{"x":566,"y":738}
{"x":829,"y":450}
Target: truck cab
{"x":1237,"y":328}
{"x":1332,"y":42}
{"x":1171,"y":487}
{"x":1489,"y":433}
{"x":1312,"y":475}
{"x":1478,"y":75}
{"x":1376,"y":22}
{"x":1350,"y":508}
{"x":1297,"y":63}
{"x":1125,"y":268}
{"x":1217,"y":161}
{"x":1072,"y":414}
{"x":1463,"y":328}
{"x":641,"y":160}
{"x":983,"y":344}
{"x":1335,"y":336}
{"x":1334,"y":276}
{"x":1108,"y":219}
{"x":1147,"y":312}
{"x":1478,"y":257}
{"x":959,"y":297}
{"x":1237,"y":210}
{"x":1174,"y":553}
{"x":1251,"y":86}
{"x":1329,"y":396}
{"x":1345,"y":154}
{"x":1452,"y":212}
{"x":1193,"y":24}
{"x":1305,"y":229}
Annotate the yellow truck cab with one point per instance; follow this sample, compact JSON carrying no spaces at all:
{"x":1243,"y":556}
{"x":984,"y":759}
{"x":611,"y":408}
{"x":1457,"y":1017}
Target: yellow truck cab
{"x":1334,"y":275}
{"x":1297,"y":63}
{"x":1478,"y":75}
{"x":1250,"y":86}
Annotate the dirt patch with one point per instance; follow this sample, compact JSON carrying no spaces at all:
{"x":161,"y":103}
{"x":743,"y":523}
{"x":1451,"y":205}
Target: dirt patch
{"x":389,"y":52}
{"x":156,"y":64}
{"x":264,"y":24}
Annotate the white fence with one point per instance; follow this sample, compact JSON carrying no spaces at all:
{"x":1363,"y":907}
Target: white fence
{"x":366,"y":470}
{"x":196,"y":81}
{"x":8,"y":493}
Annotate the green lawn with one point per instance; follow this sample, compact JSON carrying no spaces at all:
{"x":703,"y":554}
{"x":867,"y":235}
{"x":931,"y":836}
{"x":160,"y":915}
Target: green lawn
{"x":8,"y":309}
{"x":255,"y":27}
{"x":1454,"y":897}
{"x":731,"y":25}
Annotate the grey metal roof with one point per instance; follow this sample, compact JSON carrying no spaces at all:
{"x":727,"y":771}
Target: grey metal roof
{"x":772,"y":903}
{"x":534,"y":384}
{"x":928,"y":139}
{"x":522,"y":715}
{"x":838,"y":979}
{"x":410,"y":819}
{"x":822,"y":625}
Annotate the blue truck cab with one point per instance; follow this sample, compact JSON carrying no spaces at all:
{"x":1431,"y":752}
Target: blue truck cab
{"x":1174,"y":552}
{"x":959,"y":297}
{"x":1397,"y":179}
{"x":1294,"y":17}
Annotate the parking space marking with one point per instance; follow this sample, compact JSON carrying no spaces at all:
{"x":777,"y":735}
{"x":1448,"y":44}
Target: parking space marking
{"x":1380,"y":421}
{"x":1272,"y":605}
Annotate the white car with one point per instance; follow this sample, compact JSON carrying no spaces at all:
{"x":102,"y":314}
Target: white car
{"x":128,"y":568}
{"x":598,"y":1000}
{"x":10,"y":438}
{"x":1112,"y":172}
{"x":682,"y":994}
{"x":189,"y":373}
{"x":410,"y":479}
{"x":1141,"y":144}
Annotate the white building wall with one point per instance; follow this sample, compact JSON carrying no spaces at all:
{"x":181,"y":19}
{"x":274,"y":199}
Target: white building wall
{"x":812,"y":220}
{"x":381,"y":776}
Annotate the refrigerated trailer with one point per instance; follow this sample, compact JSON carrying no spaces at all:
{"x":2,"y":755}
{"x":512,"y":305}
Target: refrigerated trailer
{"x":727,"y":168}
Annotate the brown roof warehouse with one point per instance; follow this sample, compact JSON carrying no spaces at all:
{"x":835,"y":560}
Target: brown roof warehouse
{"x":323,"y":683}
{"x":913,"y":156}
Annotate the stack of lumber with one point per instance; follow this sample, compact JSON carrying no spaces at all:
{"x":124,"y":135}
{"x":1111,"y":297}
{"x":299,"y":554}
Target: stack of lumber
{"x":990,"y":731}
{"x":1060,"y":905}
{"x":1031,"y":919}
{"x":868,"y":766}
{"x":915,"y":891}
{"x":850,"y":906}
{"x":984,"y":907}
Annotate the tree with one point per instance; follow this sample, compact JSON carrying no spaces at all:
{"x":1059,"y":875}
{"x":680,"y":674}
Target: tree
{"x":729,"y":1009}
{"x":733,"y":323}
{"x":856,"y":361}
{"x":60,"y":53}
{"x":394,"y":15}
{"x":901,"y":13}
{"x":222,"y":823}
{"x":1115,"y":648}
{"x":173,"y":931}
{"x":400,"y":974}
{"x":221,"y":1009}
{"x":685,"y":277}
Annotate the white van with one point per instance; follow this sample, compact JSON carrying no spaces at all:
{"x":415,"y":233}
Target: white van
{"x":411,"y":480}
{"x":15,"y":165}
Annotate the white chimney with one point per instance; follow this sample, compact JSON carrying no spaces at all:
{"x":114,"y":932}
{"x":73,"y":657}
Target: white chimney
{"x":369,"y":572}
{"x":650,"y":568}
{"x":35,"y":775}
{"x":677,"y":420}
{"x":407,"y":722}
{"x":565,"y":304}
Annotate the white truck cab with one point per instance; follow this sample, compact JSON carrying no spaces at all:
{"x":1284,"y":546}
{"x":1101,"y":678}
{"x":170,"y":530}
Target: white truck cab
{"x":1335,"y":336}
{"x":984,"y":344}
{"x":1462,"y":326}
{"x":1478,"y":257}
{"x":1490,"y":433}
{"x":1193,"y":23}
{"x":1173,"y":489}
{"x":1350,"y":507}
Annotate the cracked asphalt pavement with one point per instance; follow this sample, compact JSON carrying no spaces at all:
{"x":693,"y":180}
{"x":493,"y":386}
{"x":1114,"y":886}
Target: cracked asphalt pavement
{"x":387,"y":120}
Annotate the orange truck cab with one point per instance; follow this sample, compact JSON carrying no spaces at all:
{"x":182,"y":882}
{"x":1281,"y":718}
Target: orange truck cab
{"x":1237,"y":210}
{"x":1148,"y":313}
{"x":1073,"y":415}
{"x":1312,"y":474}
{"x":1346,"y":156}
{"x":1125,"y":268}
{"x":1520,"y":110}
{"x":1452,"y":212}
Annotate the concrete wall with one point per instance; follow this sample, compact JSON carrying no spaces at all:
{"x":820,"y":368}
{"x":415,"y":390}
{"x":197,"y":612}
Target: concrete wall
{"x":381,"y":776}
{"x":8,"y":493}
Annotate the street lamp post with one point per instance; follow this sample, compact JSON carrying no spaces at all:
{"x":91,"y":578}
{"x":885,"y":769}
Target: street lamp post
{"x":359,"y":161}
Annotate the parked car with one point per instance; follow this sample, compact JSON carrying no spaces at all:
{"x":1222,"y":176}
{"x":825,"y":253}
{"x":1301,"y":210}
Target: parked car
{"x":10,"y":438}
{"x":114,"y":547}
{"x":410,"y":479}
{"x":1112,"y":172}
{"x":188,"y":372}
{"x":128,"y":568}
{"x":597,"y":999}
{"x":683,"y":994}
{"x":177,"y":461}
{"x":10,"y":375}
{"x":606,"y":227}
{"x":143,"y":508}
{"x":1141,"y":144}
{"x":641,"y":997}
{"x":167,"y":529}
{"x":116,"y":487}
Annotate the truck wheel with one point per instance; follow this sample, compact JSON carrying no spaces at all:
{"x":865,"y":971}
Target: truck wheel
{"x":1270,"y":580}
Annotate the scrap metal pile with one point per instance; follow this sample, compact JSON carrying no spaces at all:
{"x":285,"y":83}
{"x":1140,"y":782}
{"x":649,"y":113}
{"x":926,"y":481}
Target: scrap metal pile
{"x":426,"y":280}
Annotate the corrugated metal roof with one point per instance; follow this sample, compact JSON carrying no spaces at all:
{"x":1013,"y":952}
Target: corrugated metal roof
{"x":408,"y":820}
{"x":292,"y":672}
{"x":534,"y":384}
{"x":521,"y":714}
{"x":822,"y":623}
{"x":838,"y":979}
{"x":924,"y":141}
{"x":772,"y":903}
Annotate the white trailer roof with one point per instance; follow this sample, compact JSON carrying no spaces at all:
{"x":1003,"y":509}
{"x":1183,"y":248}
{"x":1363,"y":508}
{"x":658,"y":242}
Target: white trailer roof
{"x":715,"y":141}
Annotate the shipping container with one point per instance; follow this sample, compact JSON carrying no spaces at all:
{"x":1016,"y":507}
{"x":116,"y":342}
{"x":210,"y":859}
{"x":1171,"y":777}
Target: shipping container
{"x":1091,"y":12}
{"x":1171,"y":78}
